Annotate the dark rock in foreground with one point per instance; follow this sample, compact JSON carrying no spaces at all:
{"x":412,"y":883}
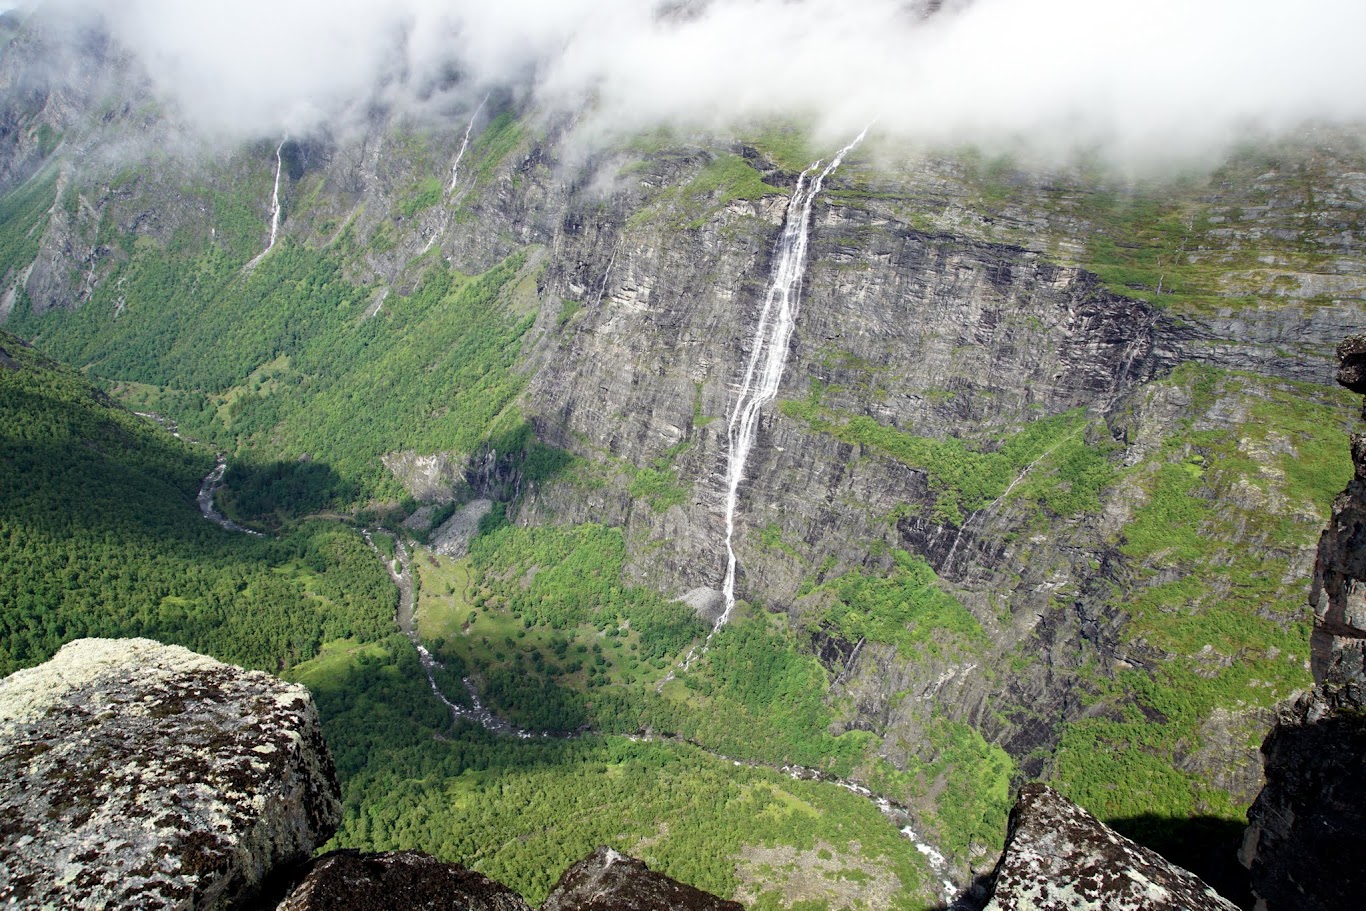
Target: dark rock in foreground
{"x":1058,"y":856}
{"x":1306,"y":841}
{"x":139,"y":775}
{"x":608,"y":881}
{"x":397,"y":881}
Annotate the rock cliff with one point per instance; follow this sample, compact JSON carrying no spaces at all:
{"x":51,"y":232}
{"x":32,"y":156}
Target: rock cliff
{"x":1307,"y":829}
{"x":142,"y":776}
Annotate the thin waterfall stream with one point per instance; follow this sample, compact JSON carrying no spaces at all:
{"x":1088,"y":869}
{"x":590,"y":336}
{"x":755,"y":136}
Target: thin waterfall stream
{"x":464,"y":144}
{"x":764,"y":373}
{"x":275,"y":196}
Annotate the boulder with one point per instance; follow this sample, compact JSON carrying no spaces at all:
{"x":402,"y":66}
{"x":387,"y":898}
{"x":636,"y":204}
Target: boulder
{"x":1058,"y":857}
{"x":608,"y":881}
{"x":396,"y":881}
{"x":1352,"y":362}
{"x":143,"y":776}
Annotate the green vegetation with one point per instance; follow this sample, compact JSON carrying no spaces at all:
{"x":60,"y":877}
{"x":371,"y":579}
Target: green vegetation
{"x":1050,"y":461}
{"x":905,"y":608}
{"x":725,"y":178}
{"x":323,"y":395}
{"x":23,"y":217}
{"x":523,"y":811}
{"x":1212,"y":551}
{"x":970,"y":779}
{"x":543,"y":615}
{"x":100,"y":536}
{"x":420,"y":197}
{"x":1193,"y":244}
{"x":729,"y":177}
{"x":503,"y":134}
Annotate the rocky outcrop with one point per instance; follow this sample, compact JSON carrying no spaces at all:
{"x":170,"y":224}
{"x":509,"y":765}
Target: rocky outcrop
{"x":396,"y":881}
{"x":1338,"y":595}
{"x":411,"y":881}
{"x":608,"y":881}
{"x":1306,"y":832}
{"x":140,"y":775}
{"x":1058,"y":856}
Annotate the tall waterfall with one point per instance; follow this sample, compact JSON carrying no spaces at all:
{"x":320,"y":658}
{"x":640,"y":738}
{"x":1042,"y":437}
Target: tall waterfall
{"x":464,"y":144}
{"x":275,"y":197}
{"x":776,"y":322}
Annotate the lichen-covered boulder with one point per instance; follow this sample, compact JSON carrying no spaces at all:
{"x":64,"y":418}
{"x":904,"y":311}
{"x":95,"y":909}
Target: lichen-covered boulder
{"x":1058,"y":857}
{"x":396,"y":881}
{"x":140,"y":775}
{"x":608,"y":881}
{"x":1352,"y":362}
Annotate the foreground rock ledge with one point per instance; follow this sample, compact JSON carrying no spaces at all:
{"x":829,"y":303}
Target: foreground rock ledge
{"x":140,"y":775}
{"x":1058,"y":856}
{"x":396,"y":881}
{"x":609,"y":881}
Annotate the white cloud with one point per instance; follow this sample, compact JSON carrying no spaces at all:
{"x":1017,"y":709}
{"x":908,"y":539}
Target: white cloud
{"x":1158,"y":77}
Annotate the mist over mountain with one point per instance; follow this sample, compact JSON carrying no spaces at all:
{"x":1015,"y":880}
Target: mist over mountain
{"x":1163,"y":80}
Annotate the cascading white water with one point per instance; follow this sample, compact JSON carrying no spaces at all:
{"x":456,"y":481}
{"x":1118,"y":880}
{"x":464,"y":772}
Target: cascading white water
{"x":275,"y":197}
{"x":464,"y":144}
{"x":765,"y":370}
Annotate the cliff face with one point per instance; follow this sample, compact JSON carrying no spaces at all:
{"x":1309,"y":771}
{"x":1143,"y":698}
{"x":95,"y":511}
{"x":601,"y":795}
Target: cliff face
{"x":1307,"y":829}
{"x":138,"y":775}
{"x":1338,"y":595}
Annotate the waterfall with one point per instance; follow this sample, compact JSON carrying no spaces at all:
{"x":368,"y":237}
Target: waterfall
{"x":465,"y":144}
{"x":765,"y":370}
{"x":275,"y":197}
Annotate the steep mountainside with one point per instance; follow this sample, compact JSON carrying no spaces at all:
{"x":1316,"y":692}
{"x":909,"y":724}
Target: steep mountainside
{"x":1037,"y":495}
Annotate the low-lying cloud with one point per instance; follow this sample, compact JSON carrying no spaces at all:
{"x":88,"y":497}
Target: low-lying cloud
{"x":1164,"y":78}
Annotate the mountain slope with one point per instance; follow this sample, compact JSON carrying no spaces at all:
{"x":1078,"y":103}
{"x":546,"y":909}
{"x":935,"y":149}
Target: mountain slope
{"x":1048,"y":460}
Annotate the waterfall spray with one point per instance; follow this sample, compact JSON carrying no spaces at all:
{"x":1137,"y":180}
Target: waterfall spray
{"x":765,"y":370}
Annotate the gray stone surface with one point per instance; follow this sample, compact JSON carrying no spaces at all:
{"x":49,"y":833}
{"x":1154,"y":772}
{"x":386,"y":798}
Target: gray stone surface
{"x":1058,"y":856}
{"x":140,"y":775}
{"x":607,"y":880}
